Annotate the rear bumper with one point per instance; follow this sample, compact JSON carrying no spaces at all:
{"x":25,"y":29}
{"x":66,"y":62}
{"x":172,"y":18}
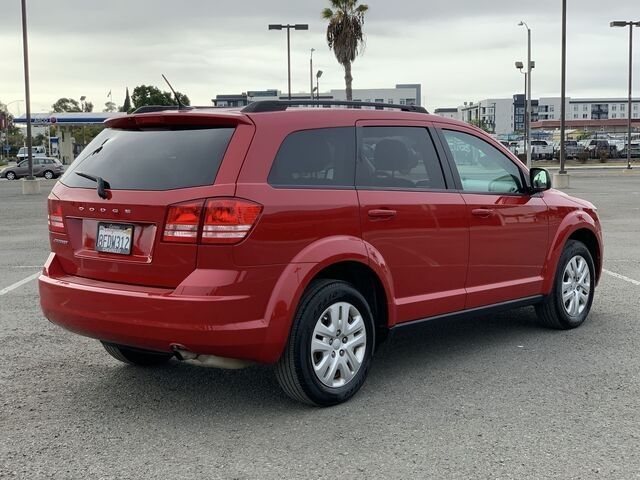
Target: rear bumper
{"x":155,"y":318}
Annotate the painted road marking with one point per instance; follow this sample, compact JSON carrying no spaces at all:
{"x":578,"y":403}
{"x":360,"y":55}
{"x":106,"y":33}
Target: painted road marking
{"x":6,"y":290}
{"x":622,"y":277}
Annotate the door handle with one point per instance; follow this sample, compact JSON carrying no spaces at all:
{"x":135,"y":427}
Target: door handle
{"x":381,"y":213}
{"x":482,"y":212}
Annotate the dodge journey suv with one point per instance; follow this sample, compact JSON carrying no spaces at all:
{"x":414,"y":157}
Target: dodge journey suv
{"x":301,"y":237}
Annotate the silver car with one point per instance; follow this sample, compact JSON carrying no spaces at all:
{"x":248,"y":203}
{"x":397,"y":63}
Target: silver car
{"x":42,"y":167}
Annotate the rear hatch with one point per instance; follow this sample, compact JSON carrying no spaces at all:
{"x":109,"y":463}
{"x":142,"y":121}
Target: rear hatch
{"x":149,"y":163}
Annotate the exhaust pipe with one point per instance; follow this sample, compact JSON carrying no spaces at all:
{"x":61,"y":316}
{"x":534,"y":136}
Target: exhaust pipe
{"x":211,"y":361}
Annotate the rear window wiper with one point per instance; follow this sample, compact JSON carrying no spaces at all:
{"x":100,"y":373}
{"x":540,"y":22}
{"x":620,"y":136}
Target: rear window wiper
{"x":102,"y":183}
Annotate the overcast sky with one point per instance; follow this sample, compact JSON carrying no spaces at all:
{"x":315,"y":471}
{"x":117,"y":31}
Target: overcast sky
{"x":459,"y":50}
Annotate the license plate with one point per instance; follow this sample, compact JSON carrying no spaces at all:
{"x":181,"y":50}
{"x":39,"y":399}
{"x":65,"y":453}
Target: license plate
{"x":114,"y":238}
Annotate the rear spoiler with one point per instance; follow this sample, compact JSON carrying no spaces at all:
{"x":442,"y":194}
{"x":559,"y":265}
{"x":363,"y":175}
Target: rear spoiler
{"x":179,"y":118}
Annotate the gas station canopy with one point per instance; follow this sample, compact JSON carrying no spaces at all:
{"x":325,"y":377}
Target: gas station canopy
{"x":72,"y":119}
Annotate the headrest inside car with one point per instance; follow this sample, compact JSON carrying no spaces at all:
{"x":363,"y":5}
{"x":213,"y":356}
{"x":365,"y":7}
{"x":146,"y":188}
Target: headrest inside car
{"x":391,"y":155}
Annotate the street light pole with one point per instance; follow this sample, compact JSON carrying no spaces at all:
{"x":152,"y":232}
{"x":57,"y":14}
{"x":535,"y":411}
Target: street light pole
{"x":318,"y":75}
{"x":563,"y":88}
{"x":528,"y":113}
{"x":27,"y":93}
{"x":288,"y":27}
{"x":311,"y":74}
{"x":629,"y":107}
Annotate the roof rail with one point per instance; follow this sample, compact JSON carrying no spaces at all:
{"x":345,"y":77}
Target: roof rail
{"x":282,"y":105}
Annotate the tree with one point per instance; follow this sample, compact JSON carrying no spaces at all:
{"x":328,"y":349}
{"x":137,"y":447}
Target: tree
{"x":39,"y":139}
{"x":88,"y":106}
{"x":481,"y":124}
{"x":110,"y":107}
{"x":67,"y":105}
{"x":127,"y":103}
{"x":150,"y":95}
{"x":10,"y":134}
{"x":345,"y":35}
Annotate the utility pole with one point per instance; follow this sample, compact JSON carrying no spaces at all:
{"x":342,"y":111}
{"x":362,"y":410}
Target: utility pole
{"x":529,"y":98}
{"x":563,"y":88}
{"x":528,"y":109}
{"x":297,"y":26}
{"x":311,"y":74}
{"x":630,"y":105}
{"x":27,"y":94}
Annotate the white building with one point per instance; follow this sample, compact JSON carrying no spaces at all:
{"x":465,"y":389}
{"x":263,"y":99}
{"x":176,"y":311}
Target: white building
{"x":402,"y":94}
{"x":506,"y":115}
{"x":451,"y":113}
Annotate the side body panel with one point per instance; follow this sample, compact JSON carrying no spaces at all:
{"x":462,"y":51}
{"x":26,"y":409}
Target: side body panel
{"x":508,"y":237}
{"x":425,"y":243}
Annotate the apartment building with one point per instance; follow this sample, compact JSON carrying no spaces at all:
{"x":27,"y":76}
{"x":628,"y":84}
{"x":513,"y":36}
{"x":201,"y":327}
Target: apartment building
{"x":506,"y":116}
{"x":401,"y":94}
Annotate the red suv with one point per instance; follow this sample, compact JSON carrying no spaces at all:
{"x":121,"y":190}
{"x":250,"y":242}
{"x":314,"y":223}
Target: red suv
{"x":301,"y":237}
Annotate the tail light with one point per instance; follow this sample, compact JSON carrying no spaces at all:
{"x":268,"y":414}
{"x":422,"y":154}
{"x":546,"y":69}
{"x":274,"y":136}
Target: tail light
{"x":228,"y":220}
{"x":55,"y":216}
{"x":183,"y":220}
{"x":224,"y":221}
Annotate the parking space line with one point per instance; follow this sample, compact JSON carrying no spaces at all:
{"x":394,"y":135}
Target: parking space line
{"x":6,"y":290}
{"x":621,"y":277}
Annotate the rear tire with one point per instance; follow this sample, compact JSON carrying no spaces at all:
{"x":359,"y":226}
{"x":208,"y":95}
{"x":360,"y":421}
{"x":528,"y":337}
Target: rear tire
{"x":10,"y":176}
{"x":330,"y":346}
{"x":569,"y":302}
{"x":135,"y":356}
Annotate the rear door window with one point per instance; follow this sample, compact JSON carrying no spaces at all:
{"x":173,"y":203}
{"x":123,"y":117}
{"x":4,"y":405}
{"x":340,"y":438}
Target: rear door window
{"x":398,"y":158}
{"x":322,"y":158}
{"x":151,"y":159}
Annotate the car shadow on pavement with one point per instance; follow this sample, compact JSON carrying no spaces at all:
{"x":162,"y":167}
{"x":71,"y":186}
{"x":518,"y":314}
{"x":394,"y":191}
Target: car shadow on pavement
{"x":178,"y":389}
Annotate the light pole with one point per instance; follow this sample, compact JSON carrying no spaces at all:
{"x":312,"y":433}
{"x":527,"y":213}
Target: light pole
{"x":83,"y":107}
{"x":528,"y":112}
{"x":311,"y":74}
{"x":520,"y":66}
{"x":297,"y":26}
{"x":318,"y":75}
{"x":629,"y":107}
{"x":563,"y":88}
{"x":27,"y":93}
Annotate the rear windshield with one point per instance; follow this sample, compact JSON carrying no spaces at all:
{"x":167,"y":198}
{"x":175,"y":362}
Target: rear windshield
{"x":151,"y":159}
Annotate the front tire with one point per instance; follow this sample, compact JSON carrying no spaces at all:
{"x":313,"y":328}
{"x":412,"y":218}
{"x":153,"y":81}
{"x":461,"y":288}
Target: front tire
{"x":569,"y":302}
{"x":330,"y":346}
{"x":135,"y":356}
{"x":48,"y":174}
{"x":10,"y":176}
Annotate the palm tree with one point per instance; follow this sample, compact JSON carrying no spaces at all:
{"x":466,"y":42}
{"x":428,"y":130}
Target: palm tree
{"x":344,"y":34}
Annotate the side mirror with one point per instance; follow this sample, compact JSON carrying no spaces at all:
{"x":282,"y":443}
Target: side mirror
{"x":540,"y":179}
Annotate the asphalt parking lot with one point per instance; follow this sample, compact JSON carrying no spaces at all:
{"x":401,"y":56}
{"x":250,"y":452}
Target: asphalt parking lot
{"x":493,"y":397}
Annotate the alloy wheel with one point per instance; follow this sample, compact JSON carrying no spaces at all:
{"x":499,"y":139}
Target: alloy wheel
{"x":576,"y":286}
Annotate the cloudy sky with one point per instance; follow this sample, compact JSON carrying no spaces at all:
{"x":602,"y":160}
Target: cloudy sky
{"x":459,"y":50}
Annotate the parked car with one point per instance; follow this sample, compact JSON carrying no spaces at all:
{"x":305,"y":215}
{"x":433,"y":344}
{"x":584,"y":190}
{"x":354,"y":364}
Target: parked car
{"x":301,"y":237}
{"x":573,"y":149}
{"x":601,"y":149}
{"x":42,"y":167}
{"x":36,"y":150}
{"x":635,"y":150}
{"x":541,"y":149}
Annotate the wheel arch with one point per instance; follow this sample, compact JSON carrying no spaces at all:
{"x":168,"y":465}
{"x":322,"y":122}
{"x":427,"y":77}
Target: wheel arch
{"x":340,"y":258}
{"x":368,"y":283}
{"x":590,"y":240}
{"x":576,"y":226}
